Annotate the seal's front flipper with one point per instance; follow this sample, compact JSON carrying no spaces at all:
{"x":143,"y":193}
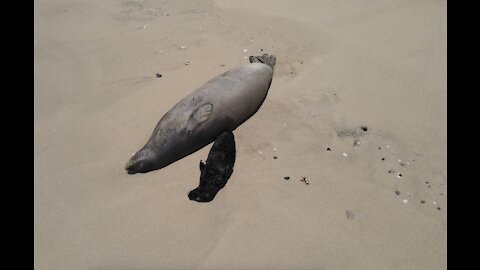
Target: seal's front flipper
{"x":200,"y":115}
{"x":215,"y":172}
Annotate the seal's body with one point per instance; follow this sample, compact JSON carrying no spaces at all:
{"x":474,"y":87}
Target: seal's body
{"x":222,"y":104}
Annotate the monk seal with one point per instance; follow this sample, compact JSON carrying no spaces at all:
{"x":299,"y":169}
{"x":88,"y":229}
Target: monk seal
{"x":222,"y":104}
{"x":215,"y":172}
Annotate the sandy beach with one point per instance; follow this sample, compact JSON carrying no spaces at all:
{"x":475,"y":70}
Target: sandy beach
{"x":357,"y":105}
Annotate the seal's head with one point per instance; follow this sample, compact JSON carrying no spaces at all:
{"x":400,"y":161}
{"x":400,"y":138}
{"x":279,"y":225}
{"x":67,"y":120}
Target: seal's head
{"x":141,"y":162}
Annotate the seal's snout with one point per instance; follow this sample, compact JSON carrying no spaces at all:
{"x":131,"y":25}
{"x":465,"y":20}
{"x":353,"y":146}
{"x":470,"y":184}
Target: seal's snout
{"x":130,"y":167}
{"x":142,"y":162}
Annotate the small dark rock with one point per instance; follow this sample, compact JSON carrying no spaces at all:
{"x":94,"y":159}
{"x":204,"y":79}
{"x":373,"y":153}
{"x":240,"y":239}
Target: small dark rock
{"x":383,"y":158}
{"x":422,"y":201}
{"x":159,"y":75}
{"x":274,"y":157}
{"x":286,"y":178}
{"x":379,"y":148}
{"x":222,"y":65}
{"x":438,"y":208}
{"x":364,"y":128}
{"x":328,"y":149}
{"x":397,"y":192}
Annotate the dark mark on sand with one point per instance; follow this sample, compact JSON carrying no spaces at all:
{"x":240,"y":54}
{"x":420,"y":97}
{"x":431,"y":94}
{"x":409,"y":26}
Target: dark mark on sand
{"x":349,"y":215}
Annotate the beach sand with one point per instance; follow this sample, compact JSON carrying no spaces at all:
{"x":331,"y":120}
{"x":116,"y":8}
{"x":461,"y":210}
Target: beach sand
{"x":341,"y":65}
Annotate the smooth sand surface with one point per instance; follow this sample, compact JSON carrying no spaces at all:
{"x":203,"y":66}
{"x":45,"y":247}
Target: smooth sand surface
{"x":340,"y":65}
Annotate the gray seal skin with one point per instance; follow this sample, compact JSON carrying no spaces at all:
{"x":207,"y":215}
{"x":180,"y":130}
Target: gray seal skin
{"x":221,"y":104}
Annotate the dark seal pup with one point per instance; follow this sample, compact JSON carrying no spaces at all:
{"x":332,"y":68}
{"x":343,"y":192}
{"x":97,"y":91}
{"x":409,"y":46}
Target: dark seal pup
{"x":221,"y":104}
{"x":215,"y":172}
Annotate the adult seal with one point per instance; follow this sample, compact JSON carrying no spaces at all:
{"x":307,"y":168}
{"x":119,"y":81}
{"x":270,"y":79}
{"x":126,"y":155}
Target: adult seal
{"x":222,"y":104}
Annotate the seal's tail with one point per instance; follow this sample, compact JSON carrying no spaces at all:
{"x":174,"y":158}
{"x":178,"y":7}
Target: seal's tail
{"x":265,"y":59}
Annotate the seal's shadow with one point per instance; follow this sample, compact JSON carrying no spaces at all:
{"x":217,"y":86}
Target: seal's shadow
{"x":215,"y":172}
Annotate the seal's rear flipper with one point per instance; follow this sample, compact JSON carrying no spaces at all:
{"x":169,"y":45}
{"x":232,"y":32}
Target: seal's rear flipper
{"x":266,"y":59}
{"x":215,"y":172}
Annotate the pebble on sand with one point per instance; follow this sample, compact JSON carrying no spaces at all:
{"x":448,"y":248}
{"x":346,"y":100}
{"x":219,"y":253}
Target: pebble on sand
{"x":286,"y":177}
{"x":159,"y":75}
{"x":345,"y":154}
{"x":397,"y":192}
{"x":405,"y":201}
{"x":304,"y":179}
{"x":183,"y":47}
